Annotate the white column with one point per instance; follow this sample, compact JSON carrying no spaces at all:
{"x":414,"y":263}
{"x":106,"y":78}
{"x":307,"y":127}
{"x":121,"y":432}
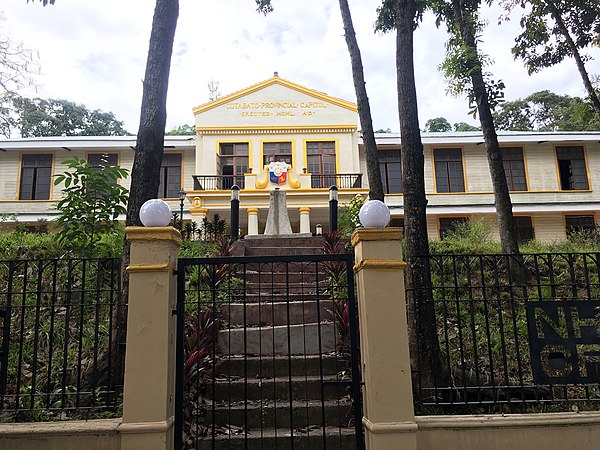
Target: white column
{"x":252,"y":221}
{"x":304,"y":219}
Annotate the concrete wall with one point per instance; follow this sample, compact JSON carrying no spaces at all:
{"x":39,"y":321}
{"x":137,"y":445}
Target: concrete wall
{"x":75,"y":435}
{"x":558,"y":431}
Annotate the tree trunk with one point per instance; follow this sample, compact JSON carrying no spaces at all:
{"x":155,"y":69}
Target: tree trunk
{"x":364,"y":110}
{"x":577,"y":56}
{"x":151,"y":133}
{"x":420,"y":307}
{"x":508,"y":235}
{"x":148,"y":158}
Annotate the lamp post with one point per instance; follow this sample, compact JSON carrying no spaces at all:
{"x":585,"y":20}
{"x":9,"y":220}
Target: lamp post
{"x":235,"y":211}
{"x":319,"y":229}
{"x":333,"y":209}
{"x":181,"y":200}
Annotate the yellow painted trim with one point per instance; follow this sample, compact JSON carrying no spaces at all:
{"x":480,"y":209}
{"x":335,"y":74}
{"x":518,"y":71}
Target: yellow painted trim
{"x":336,"y":146}
{"x":199,"y":211}
{"x":269,"y":82}
{"x":376,"y":234}
{"x":304,"y":210}
{"x":299,"y":128}
{"x":462,"y":157}
{"x":18,"y":187}
{"x":182,"y":175}
{"x":262,"y":184}
{"x":252,"y":211}
{"x":277,"y":141}
{"x":144,"y":268}
{"x":587,"y":167}
{"x":379,"y":264}
{"x":153,"y":234}
{"x":235,"y":141}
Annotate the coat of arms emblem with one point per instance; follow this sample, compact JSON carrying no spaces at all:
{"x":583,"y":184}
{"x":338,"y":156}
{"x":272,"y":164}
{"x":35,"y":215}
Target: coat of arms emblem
{"x":278,"y":172}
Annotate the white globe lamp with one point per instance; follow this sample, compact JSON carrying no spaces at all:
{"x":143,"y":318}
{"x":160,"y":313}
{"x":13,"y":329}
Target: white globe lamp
{"x":155,"y":213}
{"x":374,"y":214}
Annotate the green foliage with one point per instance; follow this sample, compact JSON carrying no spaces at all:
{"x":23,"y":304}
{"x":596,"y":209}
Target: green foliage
{"x":214,"y":229}
{"x":542,"y":43}
{"x":56,"y":117}
{"x":91,"y":203}
{"x":474,"y":236}
{"x":437,"y":125}
{"x":547,"y":111}
{"x":459,"y":65}
{"x":182,"y":130}
{"x":464,"y":126}
{"x":348,"y":216}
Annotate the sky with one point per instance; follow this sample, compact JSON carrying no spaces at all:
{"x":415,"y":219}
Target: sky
{"x":94,"y":52}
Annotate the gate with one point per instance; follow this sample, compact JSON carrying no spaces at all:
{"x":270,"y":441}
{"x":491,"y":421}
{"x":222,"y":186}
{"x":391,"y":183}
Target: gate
{"x":267,"y":353}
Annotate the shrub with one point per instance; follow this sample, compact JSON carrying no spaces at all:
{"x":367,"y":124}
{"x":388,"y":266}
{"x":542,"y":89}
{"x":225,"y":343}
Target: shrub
{"x":90,"y":207}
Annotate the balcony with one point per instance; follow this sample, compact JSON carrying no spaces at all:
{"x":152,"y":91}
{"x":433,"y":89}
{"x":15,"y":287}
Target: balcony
{"x":217,"y":182}
{"x":317,"y":181}
{"x":341,"y":180}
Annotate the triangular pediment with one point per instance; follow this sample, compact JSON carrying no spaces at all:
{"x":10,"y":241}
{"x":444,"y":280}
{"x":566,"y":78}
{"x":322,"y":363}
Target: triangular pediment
{"x":276,"y":104}
{"x":274,"y":81}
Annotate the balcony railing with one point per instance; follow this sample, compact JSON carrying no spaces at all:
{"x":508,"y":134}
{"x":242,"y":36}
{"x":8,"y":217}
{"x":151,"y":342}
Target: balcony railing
{"x":341,"y":180}
{"x":224,"y":182}
{"x":217,"y":182}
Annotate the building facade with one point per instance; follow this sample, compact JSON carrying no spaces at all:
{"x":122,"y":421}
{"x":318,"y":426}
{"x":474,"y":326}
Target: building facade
{"x":277,"y":134}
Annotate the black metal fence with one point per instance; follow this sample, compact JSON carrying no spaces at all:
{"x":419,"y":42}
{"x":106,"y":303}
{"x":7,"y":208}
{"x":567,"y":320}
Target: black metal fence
{"x":269,"y":353}
{"x":510,"y":330}
{"x":60,"y":345}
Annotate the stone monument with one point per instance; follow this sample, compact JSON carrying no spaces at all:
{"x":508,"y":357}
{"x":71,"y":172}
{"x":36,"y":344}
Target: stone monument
{"x":278,"y":221}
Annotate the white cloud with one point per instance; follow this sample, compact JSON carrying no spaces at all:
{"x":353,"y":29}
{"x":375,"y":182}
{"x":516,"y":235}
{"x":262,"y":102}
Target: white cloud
{"x":95,"y":53}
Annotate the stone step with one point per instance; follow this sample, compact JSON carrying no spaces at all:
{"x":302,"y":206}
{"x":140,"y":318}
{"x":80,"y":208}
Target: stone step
{"x":310,"y":438}
{"x":271,"y":313}
{"x":296,"y":275}
{"x":278,"y":340}
{"x":278,"y":241}
{"x":299,"y":388}
{"x":283,"y":251}
{"x":269,"y":414}
{"x":279,"y":366}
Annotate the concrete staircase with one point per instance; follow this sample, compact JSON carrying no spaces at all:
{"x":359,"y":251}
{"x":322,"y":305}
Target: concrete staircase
{"x":275,"y":383}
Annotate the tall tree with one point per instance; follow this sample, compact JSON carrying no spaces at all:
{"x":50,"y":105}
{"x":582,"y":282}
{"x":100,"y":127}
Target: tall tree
{"x":557,"y":29}
{"x":57,"y":117}
{"x":153,"y":116}
{"x":403,"y":17}
{"x":464,"y":69}
{"x":364,"y":109}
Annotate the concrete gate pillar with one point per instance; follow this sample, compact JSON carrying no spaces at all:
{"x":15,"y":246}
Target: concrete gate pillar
{"x":149,"y":391}
{"x":388,"y":416}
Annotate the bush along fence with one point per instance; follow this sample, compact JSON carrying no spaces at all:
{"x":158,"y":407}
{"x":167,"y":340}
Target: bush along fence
{"x":61,"y":348}
{"x":512,"y":340}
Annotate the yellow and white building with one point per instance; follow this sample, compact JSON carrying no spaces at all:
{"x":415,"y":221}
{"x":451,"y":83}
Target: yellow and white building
{"x":551,"y":175}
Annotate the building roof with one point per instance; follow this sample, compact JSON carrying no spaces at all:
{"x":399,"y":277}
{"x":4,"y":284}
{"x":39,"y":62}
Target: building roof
{"x":476,"y":137}
{"x":88,"y":142}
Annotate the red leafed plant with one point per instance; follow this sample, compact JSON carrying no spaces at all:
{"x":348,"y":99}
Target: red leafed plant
{"x":200,"y":333}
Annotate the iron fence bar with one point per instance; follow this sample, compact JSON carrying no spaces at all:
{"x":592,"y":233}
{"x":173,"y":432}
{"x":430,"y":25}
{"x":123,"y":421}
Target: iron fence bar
{"x":179,"y":356}
{"x":356,"y":377}
{"x":321,"y":368}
